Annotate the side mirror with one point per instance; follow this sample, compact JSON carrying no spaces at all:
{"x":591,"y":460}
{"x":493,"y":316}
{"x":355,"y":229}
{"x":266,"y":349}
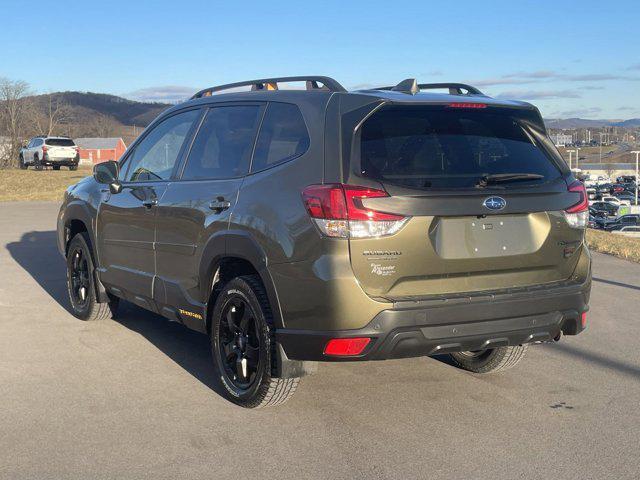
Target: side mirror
{"x":106,"y":173}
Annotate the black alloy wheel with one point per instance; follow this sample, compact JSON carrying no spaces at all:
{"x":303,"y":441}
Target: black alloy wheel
{"x":80,"y":283}
{"x":243,"y":345}
{"x":239,"y":343}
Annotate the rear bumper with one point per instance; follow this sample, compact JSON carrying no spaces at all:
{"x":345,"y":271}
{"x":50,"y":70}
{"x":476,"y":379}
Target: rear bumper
{"x":60,"y":161}
{"x":66,"y":161}
{"x":412,"y":329}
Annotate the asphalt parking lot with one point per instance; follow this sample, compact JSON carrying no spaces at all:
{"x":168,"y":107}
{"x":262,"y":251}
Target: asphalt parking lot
{"x":135,"y":398}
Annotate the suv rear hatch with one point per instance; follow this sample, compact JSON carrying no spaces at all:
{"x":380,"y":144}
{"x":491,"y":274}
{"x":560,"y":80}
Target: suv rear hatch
{"x":61,"y":148}
{"x":481,"y":195}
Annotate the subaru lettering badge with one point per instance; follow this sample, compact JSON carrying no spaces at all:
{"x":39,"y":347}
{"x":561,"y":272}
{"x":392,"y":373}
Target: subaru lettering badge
{"x":495,"y":203}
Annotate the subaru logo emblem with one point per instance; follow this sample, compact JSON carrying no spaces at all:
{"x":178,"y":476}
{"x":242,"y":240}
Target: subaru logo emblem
{"x":495,"y":203}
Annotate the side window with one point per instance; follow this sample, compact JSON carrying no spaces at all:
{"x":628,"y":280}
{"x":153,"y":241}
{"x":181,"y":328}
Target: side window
{"x":155,"y":156}
{"x":222,"y":148}
{"x":283,"y":136}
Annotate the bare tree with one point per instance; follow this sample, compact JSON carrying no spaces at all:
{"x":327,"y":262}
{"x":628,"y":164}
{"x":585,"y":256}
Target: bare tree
{"x":102,"y":126}
{"x":48,"y":114}
{"x":13,"y":112}
{"x":609,"y":169}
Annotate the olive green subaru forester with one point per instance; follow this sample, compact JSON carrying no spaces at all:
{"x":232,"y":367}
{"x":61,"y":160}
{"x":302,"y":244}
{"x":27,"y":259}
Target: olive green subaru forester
{"x":310,"y":225}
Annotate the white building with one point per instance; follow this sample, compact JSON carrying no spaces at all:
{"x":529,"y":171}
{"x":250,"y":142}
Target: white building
{"x":561,"y":139}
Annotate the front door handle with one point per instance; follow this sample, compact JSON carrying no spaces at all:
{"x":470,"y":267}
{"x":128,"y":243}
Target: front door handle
{"x":219,"y":205}
{"x":150,"y":202}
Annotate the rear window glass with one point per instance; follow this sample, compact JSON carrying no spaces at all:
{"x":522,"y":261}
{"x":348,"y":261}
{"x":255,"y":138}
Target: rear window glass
{"x":283,"y":136}
{"x":450,"y":148}
{"x":60,"y":142}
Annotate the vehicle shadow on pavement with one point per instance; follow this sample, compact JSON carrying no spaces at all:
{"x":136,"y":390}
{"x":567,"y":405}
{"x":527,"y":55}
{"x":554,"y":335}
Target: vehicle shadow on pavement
{"x":38,"y":255}
{"x":189,"y":349}
{"x":617,"y":284}
{"x":598,"y":359}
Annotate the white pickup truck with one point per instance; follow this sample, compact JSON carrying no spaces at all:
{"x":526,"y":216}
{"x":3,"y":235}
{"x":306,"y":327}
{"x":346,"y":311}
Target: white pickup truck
{"x":50,"y":151}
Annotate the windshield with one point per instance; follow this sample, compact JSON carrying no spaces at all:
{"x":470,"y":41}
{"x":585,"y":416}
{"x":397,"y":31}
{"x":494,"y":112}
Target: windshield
{"x":424,"y":147}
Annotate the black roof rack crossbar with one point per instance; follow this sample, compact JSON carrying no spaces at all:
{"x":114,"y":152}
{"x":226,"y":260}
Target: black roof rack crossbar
{"x":312,"y":83}
{"x":454,"y":88}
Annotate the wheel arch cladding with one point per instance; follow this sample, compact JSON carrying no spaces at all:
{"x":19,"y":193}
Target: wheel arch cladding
{"x":76,"y":219}
{"x":238,"y":250}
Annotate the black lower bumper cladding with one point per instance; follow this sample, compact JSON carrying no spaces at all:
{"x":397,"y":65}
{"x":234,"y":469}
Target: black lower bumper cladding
{"x":413,"y":329}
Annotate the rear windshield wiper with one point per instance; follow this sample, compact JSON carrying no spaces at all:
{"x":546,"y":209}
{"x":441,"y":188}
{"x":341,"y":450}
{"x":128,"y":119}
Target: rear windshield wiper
{"x":485,"y":180}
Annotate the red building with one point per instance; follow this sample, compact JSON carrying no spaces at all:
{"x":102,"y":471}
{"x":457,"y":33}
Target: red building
{"x":96,"y":150}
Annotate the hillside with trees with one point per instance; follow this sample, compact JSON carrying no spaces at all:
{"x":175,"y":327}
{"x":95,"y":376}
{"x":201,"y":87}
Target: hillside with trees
{"x":74,"y":114}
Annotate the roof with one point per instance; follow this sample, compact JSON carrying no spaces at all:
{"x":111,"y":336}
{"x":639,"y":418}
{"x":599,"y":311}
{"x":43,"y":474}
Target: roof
{"x":97,"y":143}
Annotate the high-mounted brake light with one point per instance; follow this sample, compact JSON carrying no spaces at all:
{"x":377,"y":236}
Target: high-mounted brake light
{"x":338,"y":211}
{"x":577,"y":215}
{"x":346,"y":347}
{"x":467,"y":105}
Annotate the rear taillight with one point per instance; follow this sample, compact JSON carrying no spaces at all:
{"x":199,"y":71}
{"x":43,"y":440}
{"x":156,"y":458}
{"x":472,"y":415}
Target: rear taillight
{"x":577,"y":215}
{"x":346,"y":347}
{"x":339,"y":212}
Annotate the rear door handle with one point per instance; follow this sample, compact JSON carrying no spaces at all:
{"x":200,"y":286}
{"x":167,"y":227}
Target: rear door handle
{"x":219,"y":205}
{"x":150,"y":202}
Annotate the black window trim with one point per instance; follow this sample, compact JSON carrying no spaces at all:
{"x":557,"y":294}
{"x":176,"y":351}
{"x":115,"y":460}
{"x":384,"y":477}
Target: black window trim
{"x":262,"y":108}
{"x":287,"y":159}
{"x":125,"y":163}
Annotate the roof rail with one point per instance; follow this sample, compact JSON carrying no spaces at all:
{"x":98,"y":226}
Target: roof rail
{"x":312,"y":83}
{"x":408,"y":86}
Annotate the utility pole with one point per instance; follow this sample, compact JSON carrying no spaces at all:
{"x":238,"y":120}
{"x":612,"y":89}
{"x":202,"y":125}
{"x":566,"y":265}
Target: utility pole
{"x":600,"y":147}
{"x":570,"y":152}
{"x":577,"y":157}
{"x":637,"y":152}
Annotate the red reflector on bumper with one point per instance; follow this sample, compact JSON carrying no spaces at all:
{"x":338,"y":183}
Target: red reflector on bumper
{"x":583,"y":319}
{"x":345,"y":347}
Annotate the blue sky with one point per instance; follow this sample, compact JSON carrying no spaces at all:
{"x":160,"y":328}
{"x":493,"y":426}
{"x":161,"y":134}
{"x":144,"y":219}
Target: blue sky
{"x":569,"y":58}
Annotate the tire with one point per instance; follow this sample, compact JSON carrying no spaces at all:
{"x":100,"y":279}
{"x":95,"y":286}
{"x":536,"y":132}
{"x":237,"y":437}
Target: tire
{"x":80,"y":283}
{"x":73,"y":167}
{"x":23,"y":166}
{"x":491,"y":360}
{"x":242,"y":327}
{"x":36,"y":163}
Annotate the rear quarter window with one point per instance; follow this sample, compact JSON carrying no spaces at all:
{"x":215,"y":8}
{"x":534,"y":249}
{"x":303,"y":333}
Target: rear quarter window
{"x":283,"y":136}
{"x":427,"y":147}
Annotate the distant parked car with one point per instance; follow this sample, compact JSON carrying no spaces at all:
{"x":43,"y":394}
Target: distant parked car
{"x":609,"y":208}
{"x":615,"y":200}
{"x":626,"y":179}
{"x":626,"y":198}
{"x":628,"y":232}
{"x":598,"y":219}
{"x":623,"y":221}
{"x":50,"y":151}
